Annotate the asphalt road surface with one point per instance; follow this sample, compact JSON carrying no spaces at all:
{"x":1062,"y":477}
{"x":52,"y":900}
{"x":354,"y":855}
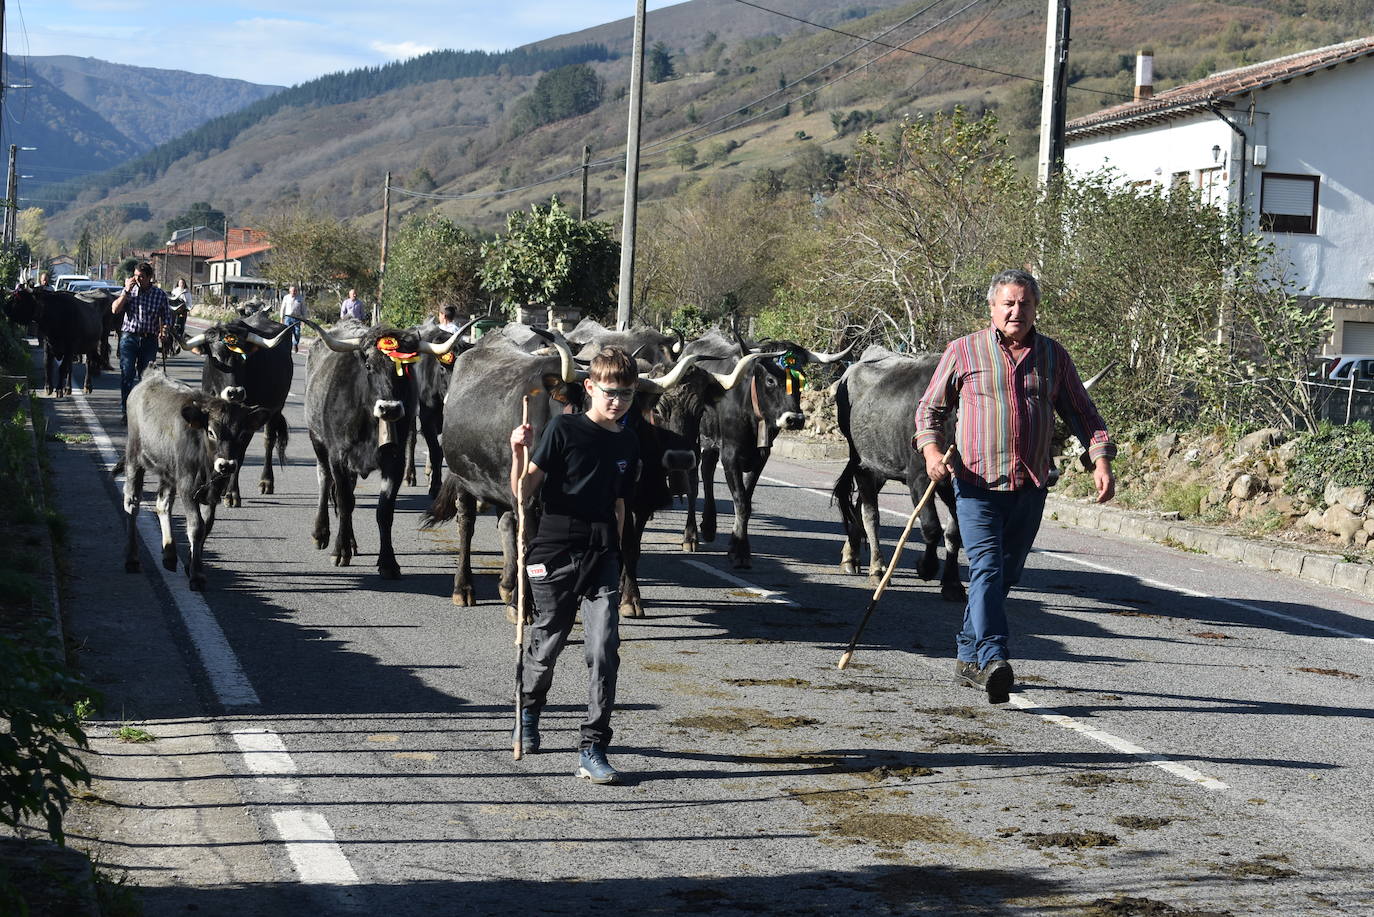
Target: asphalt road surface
{"x":1187,"y":737}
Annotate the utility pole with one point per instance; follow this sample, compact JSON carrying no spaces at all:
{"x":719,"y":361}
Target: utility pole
{"x":627,"y":229}
{"x":386,"y":227}
{"x":224,"y":267}
{"x":1054,"y":91}
{"x":586,"y":161}
{"x":11,"y":190}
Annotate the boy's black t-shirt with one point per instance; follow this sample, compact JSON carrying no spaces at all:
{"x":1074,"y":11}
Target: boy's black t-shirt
{"x":586,"y":467}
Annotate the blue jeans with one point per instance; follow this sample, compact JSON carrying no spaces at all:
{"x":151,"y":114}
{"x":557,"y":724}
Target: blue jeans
{"x":135,"y":353}
{"x":998,"y":528}
{"x":294,"y":324}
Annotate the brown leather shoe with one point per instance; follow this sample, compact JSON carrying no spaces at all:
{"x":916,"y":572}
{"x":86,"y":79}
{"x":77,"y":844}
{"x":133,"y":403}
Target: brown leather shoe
{"x":996,"y":678}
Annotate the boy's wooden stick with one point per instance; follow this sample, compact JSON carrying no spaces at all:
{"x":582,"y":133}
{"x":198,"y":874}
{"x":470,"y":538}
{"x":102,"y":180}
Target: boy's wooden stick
{"x":520,"y":586}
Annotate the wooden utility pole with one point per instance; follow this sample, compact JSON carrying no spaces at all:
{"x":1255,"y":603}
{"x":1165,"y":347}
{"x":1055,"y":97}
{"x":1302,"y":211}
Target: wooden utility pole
{"x":224,"y":268}
{"x":586,"y":161}
{"x":11,"y":189}
{"x":627,"y":229}
{"x":1054,"y":91}
{"x":386,"y":227}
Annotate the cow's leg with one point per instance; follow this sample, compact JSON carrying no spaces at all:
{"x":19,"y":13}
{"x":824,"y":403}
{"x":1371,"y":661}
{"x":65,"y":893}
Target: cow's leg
{"x":851,"y":517}
{"x":951,"y":589}
{"x":931,"y":530}
{"x":232,"y":497}
{"x":507,"y":526}
{"x":631,"y":603}
{"x":51,"y":382}
{"x":92,"y":367}
{"x":741,"y":492}
{"x":690,"y":538}
{"x":166,"y":498}
{"x":133,"y":494}
{"x":709,"y":457}
{"x":345,"y":545}
{"x":390,"y":461}
{"x":196,"y":530}
{"x":465,"y":521}
{"x":274,"y":436}
{"x":410,"y":457}
{"x":326,"y":485}
{"x":434,"y":465}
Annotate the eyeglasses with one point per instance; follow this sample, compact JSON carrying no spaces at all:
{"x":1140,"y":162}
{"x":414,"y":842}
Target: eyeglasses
{"x":623,"y":394}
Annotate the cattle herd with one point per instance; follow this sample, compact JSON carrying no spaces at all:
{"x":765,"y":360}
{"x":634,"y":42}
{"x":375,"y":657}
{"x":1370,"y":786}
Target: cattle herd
{"x":717,"y":400}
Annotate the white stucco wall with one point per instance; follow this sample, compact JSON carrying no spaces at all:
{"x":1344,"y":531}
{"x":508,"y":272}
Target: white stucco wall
{"x":1312,"y":125}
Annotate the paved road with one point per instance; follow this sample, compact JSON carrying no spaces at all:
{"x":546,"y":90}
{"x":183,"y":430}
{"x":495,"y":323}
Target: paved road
{"x":1187,"y":732}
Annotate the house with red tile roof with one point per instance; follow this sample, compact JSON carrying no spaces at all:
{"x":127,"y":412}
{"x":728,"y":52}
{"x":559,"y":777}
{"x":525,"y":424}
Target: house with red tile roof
{"x":1289,"y":138}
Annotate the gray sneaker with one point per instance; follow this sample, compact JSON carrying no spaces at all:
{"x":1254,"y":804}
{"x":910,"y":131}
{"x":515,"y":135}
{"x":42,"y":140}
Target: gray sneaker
{"x":592,"y":764}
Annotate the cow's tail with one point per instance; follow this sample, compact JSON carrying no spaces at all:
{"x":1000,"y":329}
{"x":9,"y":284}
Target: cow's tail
{"x":843,"y":494}
{"x":445,"y":505}
{"x":118,"y":468}
{"x":279,"y":432}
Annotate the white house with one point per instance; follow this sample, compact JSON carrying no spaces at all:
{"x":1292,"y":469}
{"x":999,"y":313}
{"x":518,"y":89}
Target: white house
{"x":1290,"y":138}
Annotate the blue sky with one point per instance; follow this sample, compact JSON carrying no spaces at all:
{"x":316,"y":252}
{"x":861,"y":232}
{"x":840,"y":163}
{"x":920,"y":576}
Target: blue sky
{"x":288,"y":43}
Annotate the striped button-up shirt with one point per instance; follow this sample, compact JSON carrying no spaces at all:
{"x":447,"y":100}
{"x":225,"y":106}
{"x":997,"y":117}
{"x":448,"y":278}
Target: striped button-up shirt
{"x":147,"y":312}
{"x":1006,"y":409}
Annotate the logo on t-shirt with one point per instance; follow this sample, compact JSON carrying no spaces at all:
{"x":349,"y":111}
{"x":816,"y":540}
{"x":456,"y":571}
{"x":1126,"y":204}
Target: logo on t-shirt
{"x":622,"y":465}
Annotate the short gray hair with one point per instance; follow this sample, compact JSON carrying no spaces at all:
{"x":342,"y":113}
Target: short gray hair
{"x":1017,"y":278}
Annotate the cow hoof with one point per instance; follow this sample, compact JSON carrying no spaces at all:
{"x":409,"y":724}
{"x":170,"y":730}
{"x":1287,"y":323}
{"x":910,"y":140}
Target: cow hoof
{"x":197,"y":584}
{"x":410,"y":479}
{"x":631,"y":610}
{"x":689,"y":547}
{"x":707,"y":534}
{"x":511,"y":614}
{"x":169,"y":561}
{"x":464,"y":599}
{"x":953,"y":593}
{"x":507,"y":595}
{"x":266,"y":487}
{"x":741,"y":563}
{"x":927,"y":571}
{"x":342,"y":560}
{"x":321,"y":540}
{"x":849,"y":566}
{"x":391,"y":572}
{"x":133,"y":566}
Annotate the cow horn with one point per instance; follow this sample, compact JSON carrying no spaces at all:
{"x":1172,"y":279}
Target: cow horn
{"x":1098,"y":378}
{"x":823,"y":357}
{"x":259,"y":340}
{"x":439,"y":350}
{"x":728,"y":382}
{"x":339,"y":345}
{"x":676,"y":349}
{"x":671,"y":380}
{"x":192,"y":343}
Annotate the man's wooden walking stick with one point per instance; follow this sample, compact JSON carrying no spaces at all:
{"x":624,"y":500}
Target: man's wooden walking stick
{"x":516,"y":750}
{"x":891,"y":566}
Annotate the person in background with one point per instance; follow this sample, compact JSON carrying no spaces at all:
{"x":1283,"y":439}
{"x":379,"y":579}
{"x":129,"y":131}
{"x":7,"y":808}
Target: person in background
{"x":448,"y":318}
{"x":181,"y":292}
{"x":353,"y":308}
{"x":292,"y":311}
{"x":147,"y":319}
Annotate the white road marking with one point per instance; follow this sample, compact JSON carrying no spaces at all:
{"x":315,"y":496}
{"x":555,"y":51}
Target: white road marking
{"x":313,"y":851}
{"x":263,"y":751}
{"x":767,"y":595}
{"x":1116,"y":742}
{"x":1235,"y":603}
{"x":227,"y":677}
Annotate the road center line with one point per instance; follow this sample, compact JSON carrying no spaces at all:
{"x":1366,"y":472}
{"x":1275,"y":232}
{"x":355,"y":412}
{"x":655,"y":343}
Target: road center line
{"x":313,"y":851}
{"x":227,"y":677}
{"x":263,"y":751}
{"x":767,"y":595}
{"x":1235,"y":603}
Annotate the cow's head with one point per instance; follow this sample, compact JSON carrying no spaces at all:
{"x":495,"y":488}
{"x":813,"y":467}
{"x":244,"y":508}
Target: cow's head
{"x":779,"y":379}
{"x":225,"y":430}
{"x":227,"y":346}
{"x":22,"y":306}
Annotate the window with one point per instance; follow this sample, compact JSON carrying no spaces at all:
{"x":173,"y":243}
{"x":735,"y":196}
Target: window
{"x":1288,"y":203}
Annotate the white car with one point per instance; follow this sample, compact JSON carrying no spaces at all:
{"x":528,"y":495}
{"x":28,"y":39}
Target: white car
{"x":63,"y":281}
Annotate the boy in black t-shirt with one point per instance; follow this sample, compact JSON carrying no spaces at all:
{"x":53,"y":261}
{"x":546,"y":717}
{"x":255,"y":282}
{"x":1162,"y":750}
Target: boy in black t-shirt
{"x":583,"y":469}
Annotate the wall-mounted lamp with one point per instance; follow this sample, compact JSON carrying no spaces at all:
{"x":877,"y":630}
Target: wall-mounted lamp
{"x":1216,"y":152}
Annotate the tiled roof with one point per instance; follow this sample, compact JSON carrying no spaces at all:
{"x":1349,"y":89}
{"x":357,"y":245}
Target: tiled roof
{"x":242,"y":251}
{"x":1201,"y":94}
{"x":242,"y":243}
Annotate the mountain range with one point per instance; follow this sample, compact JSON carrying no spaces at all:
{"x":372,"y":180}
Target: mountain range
{"x":753,"y":93}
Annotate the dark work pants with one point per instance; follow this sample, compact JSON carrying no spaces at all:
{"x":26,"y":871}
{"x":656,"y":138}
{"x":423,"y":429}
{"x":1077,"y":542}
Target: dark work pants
{"x":556,"y":604}
{"x":998,"y":528}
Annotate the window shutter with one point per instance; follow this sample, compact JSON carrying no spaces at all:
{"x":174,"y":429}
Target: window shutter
{"x":1288,"y":196}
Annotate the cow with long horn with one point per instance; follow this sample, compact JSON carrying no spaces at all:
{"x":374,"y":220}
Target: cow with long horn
{"x":738,"y":430}
{"x":431,"y":380}
{"x":246,"y":363}
{"x":360,"y":401}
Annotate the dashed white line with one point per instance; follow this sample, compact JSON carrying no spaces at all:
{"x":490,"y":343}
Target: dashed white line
{"x":313,"y":851}
{"x":768,"y":595}
{"x":263,"y":751}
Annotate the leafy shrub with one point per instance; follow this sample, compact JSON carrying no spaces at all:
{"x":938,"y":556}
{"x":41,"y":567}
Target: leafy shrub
{"x":1184,"y":499}
{"x":1333,"y":453}
{"x":38,"y":763}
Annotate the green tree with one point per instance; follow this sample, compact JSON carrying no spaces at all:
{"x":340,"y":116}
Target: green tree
{"x":198,"y":214}
{"x":319,"y":253}
{"x":549,"y":257}
{"x":561,"y":93}
{"x":660,"y":63}
{"x":684,"y":156}
{"x":432,"y":262}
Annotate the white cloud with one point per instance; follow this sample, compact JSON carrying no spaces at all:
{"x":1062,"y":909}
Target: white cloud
{"x":401,"y":50}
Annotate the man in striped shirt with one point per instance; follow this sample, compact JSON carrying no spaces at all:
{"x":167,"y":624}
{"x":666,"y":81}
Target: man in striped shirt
{"x":1007,"y":382}
{"x":147,"y":319}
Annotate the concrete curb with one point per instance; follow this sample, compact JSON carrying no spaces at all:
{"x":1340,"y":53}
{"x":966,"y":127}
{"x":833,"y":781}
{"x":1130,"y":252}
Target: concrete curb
{"x":806,"y":449}
{"x":1323,"y":569}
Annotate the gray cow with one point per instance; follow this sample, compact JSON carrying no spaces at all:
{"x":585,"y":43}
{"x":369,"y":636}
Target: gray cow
{"x":192,"y":442}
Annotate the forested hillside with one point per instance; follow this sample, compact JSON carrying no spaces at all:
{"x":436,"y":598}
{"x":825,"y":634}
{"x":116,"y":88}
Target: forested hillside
{"x":778,"y":107}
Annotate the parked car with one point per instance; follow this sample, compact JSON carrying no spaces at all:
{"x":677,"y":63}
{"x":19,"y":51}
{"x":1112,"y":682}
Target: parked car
{"x":1339,"y":367}
{"x":85,"y":286}
{"x":63,"y":281}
